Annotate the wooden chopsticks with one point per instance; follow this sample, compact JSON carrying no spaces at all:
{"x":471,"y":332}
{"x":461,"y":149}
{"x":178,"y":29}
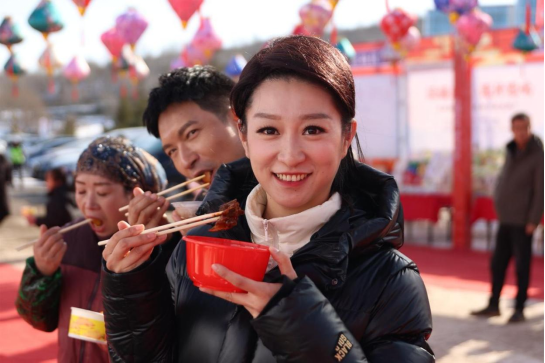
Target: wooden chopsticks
{"x":181,"y":185}
{"x":61,"y":231}
{"x":180,"y":225}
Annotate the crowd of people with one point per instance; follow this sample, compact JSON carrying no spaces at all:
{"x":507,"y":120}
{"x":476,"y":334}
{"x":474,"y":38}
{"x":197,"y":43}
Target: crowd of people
{"x":279,"y":141}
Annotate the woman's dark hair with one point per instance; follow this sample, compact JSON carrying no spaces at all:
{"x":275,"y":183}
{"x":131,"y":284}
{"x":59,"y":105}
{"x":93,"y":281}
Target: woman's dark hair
{"x":59,"y":175}
{"x":204,"y":85}
{"x":311,"y":60}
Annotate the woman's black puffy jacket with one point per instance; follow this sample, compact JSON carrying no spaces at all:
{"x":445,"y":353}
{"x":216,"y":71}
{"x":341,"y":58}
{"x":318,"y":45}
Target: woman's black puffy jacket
{"x":357,"y":299}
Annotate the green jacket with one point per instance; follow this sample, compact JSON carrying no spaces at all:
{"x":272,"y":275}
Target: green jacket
{"x":16,"y":155}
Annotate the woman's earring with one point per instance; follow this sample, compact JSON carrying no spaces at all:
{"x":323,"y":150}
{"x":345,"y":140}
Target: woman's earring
{"x":240,"y":125}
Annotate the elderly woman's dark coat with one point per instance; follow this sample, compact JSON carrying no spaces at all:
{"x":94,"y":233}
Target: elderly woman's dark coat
{"x":357,"y":299}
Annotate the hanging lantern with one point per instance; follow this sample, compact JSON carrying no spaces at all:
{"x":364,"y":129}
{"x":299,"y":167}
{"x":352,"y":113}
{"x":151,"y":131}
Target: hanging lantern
{"x":395,"y":25}
{"x":300,"y":30}
{"x":346,"y":48}
{"x":455,"y":8}
{"x":442,"y":5}
{"x":389,"y":54}
{"x":194,"y":56}
{"x":235,"y":66}
{"x":410,"y":41}
{"x":137,"y":72}
{"x":122,"y":66}
{"x":315,"y":16}
{"x":9,"y":33}
{"x":82,"y":5}
{"x":14,"y":70}
{"x":527,"y":38}
{"x":206,"y":39}
{"x":114,"y":42}
{"x":185,"y":9}
{"x":463,"y":6}
{"x":131,"y":25}
{"x":333,"y":3}
{"x":75,"y":72}
{"x":46,"y":19}
{"x":178,"y":62}
{"x":50,"y":62}
{"x":527,"y":41}
{"x":472,"y":26}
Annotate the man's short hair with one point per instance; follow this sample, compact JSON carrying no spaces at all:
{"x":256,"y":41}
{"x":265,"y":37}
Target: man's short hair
{"x":204,"y":85}
{"x":520,"y":117}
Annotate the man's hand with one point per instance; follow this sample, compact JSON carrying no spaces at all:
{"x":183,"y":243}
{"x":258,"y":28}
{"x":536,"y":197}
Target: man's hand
{"x":147,"y":209}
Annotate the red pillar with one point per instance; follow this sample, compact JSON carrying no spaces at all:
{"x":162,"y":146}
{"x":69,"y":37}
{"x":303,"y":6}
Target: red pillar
{"x":461,"y":194}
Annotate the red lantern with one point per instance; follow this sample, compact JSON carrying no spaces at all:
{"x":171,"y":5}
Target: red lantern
{"x":472,"y":26}
{"x":185,"y":9}
{"x":396,"y":24}
{"x":114,"y":42}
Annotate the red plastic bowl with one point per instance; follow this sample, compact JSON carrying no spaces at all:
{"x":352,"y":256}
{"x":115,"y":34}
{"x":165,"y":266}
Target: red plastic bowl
{"x":247,"y":259}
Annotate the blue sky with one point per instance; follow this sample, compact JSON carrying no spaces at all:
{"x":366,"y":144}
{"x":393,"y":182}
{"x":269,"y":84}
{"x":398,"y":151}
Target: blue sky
{"x":236,"y":21}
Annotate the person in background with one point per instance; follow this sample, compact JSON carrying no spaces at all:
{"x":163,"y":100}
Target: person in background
{"x":518,"y":201}
{"x":17,"y":158}
{"x":189,"y":111}
{"x":64,"y":270}
{"x":58,"y":201}
{"x":5,"y":179}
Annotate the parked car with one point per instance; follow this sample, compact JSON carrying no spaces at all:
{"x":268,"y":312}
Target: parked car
{"x":43,"y":147}
{"x":67,"y":155}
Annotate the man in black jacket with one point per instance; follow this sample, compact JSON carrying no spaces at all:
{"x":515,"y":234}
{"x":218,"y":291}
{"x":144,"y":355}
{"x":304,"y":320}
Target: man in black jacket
{"x":519,"y":204}
{"x":57,"y":207}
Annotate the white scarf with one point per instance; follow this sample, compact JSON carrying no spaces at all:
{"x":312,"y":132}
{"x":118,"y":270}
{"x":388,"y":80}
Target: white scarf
{"x":290,"y":233}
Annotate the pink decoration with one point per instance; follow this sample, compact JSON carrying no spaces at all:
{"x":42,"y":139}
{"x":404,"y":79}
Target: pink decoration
{"x":411,"y":40}
{"x":114,"y":42}
{"x":82,"y":5}
{"x":472,"y":26}
{"x":177,"y":62}
{"x":300,"y":30}
{"x":139,"y":70}
{"x":77,"y":69}
{"x":396,"y":24}
{"x":185,"y":9}
{"x":49,"y":61}
{"x":194,"y":56}
{"x":131,"y":25}
{"x":315,"y":16}
{"x":206,"y":39}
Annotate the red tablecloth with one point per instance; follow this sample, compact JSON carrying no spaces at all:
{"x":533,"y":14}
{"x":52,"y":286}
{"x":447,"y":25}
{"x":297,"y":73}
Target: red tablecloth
{"x":424,"y":206}
{"x":483,"y":208}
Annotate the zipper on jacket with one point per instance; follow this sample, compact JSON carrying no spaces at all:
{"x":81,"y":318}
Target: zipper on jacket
{"x":89,"y":306}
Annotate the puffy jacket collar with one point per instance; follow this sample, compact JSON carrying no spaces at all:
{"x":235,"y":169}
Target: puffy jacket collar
{"x":371,"y":219}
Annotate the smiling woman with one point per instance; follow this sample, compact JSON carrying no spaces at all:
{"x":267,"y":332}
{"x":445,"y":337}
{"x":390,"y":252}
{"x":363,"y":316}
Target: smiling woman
{"x":336,"y":288}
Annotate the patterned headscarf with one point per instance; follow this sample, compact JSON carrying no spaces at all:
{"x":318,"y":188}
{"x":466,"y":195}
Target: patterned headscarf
{"x":118,"y":160}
